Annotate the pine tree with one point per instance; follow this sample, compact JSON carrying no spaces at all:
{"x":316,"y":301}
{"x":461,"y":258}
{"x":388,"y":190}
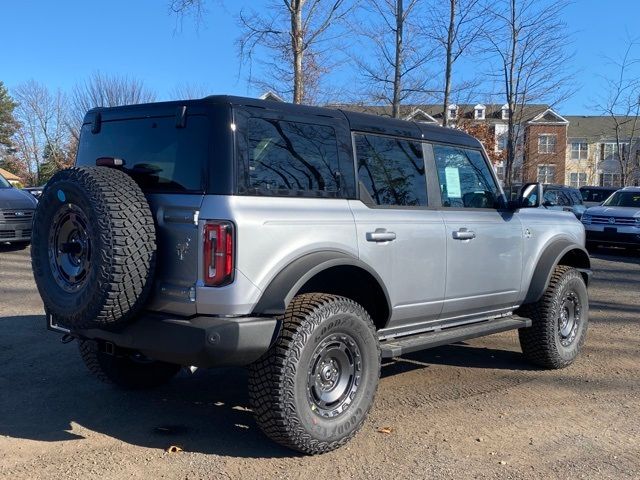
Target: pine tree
{"x":8,"y":124}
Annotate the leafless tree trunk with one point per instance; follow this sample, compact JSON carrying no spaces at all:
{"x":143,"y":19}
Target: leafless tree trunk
{"x":291,"y":40}
{"x":456,"y":30}
{"x":528,"y":38}
{"x":621,"y":103}
{"x":396,"y":52}
{"x":101,"y":90}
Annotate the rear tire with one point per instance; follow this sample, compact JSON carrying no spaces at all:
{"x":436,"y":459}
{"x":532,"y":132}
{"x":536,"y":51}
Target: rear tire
{"x":559,"y":321}
{"x":93,"y":247}
{"x":313,"y":389}
{"x":127,"y":371}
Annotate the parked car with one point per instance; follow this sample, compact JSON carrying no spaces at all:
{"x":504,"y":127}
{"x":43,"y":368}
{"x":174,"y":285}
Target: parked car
{"x":305,"y":243}
{"x":592,"y":196}
{"x":616,"y":221}
{"x":16,"y":213}
{"x":561,"y":197}
{"x":35,"y":191}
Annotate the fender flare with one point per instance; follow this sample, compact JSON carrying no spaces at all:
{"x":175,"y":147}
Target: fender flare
{"x":548,"y":261}
{"x":283,"y":287}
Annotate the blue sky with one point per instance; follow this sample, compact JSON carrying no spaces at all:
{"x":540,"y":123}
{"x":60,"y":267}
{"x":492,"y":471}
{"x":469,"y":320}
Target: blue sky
{"x":60,"y":43}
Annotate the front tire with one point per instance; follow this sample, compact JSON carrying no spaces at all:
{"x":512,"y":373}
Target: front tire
{"x":313,"y":389}
{"x":129,"y":371}
{"x":559,"y":321}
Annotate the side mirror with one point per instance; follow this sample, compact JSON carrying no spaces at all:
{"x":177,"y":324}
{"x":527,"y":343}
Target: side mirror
{"x":531,"y":196}
{"x":548,"y":203}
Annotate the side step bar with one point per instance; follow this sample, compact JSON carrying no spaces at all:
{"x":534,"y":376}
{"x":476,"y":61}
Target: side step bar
{"x":413,"y":343}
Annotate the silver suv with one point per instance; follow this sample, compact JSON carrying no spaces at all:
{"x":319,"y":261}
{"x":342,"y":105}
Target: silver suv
{"x":306,"y":243}
{"x":616,"y":221}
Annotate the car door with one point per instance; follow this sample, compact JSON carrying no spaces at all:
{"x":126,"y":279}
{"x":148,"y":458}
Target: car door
{"x":484,"y":242}
{"x":397,"y":233}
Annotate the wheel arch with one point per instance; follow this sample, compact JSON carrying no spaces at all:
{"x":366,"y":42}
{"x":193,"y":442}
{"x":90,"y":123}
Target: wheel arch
{"x":331,"y":272}
{"x":560,"y":252}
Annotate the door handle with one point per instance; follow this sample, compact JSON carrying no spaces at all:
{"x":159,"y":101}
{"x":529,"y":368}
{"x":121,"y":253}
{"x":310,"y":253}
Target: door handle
{"x":380,"y":235}
{"x":464,"y":234}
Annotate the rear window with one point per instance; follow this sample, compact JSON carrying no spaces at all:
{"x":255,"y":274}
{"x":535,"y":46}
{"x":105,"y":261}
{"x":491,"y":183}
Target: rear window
{"x":159,"y":156}
{"x":598,"y":195}
{"x":291,"y":158}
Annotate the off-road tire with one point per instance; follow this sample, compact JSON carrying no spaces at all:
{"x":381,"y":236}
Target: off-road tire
{"x":120,"y":260}
{"x":128,"y":371}
{"x":279,"y":381}
{"x":541,"y":343}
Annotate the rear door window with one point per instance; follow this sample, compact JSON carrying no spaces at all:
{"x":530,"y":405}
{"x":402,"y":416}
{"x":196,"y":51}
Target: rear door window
{"x":391,"y":171}
{"x":159,"y":156}
{"x":291,"y":158}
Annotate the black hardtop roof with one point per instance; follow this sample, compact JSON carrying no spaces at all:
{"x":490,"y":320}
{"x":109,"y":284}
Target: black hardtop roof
{"x":363,"y":122}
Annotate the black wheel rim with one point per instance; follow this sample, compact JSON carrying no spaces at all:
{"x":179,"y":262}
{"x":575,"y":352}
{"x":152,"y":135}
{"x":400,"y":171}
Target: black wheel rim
{"x":70,"y":248}
{"x":334,"y":375}
{"x":569,"y":318}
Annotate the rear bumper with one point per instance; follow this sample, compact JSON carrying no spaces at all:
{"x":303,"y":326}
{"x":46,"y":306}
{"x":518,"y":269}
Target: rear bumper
{"x":15,"y":232}
{"x":198,"y":341}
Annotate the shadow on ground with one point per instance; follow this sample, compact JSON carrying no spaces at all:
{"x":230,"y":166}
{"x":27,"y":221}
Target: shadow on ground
{"x":48,"y":395}
{"x":12,"y":247}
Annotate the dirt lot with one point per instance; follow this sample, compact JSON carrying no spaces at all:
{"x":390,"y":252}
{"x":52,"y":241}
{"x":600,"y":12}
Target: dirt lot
{"x":471,"y":410}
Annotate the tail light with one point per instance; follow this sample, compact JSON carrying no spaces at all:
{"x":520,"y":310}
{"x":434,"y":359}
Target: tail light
{"x":218,"y":253}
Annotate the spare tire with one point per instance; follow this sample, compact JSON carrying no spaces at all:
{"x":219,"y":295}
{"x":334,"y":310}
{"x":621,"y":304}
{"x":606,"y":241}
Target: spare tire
{"x":93,"y":247}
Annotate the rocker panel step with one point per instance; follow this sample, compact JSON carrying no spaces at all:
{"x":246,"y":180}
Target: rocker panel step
{"x":413,"y":343}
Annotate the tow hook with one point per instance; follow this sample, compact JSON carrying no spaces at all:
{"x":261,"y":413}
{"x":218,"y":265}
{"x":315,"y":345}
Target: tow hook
{"x":66,"y":338}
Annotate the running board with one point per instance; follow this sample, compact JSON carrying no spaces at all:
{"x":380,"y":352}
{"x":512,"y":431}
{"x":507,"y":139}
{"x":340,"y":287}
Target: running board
{"x":399,"y":346}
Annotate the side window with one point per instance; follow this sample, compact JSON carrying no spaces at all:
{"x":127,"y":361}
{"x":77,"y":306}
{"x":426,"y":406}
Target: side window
{"x":391,"y":171}
{"x":292,"y":158}
{"x":465,"y":178}
{"x":551,"y":197}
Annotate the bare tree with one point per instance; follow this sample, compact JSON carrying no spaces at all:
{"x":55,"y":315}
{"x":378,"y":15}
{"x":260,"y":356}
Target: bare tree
{"x":455,"y":26}
{"x":188,"y":91}
{"x":290,"y":39}
{"x":42,"y":137}
{"x":395,"y":52}
{"x":101,"y":90}
{"x":293,"y":43}
{"x":528,"y":39}
{"x":621,"y":104}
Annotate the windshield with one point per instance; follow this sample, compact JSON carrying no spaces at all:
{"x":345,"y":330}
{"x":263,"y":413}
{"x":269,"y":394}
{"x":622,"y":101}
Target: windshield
{"x":4,"y":183}
{"x":599,"y":195}
{"x":623,"y":199}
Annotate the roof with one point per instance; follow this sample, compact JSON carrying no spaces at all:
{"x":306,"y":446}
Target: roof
{"x":9,"y":176}
{"x":599,"y":127}
{"x":362,"y":121}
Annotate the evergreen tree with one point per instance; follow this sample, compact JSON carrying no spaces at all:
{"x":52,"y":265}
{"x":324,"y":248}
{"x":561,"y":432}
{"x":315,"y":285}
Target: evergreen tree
{"x":8,"y":124}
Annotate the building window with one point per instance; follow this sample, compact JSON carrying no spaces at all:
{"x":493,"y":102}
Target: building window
{"x":546,"y":143}
{"x":610,"y":180}
{"x":577,"y":179}
{"x":499,"y":172}
{"x":479,"y":112}
{"x":502,"y":143}
{"x":579,"y":151}
{"x":505,"y":112}
{"x":610,"y":151}
{"x":452,"y":113}
{"x":546,"y":173}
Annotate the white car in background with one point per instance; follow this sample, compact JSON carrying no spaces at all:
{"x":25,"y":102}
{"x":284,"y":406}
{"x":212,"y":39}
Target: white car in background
{"x":616,"y":221}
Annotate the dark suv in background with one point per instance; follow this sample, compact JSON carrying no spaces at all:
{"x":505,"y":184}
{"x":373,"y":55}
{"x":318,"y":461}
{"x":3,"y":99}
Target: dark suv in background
{"x":592,"y":196}
{"x":16,"y":213}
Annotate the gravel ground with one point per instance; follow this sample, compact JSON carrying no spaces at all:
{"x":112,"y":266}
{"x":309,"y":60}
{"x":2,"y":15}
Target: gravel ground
{"x":472,"y":410}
